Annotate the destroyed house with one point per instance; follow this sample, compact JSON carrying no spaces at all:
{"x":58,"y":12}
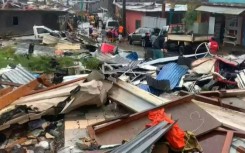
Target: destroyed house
{"x":21,"y":22}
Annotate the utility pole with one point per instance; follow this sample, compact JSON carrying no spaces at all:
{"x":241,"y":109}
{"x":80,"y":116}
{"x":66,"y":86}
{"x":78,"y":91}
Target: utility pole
{"x":124,"y":18}
{"x":163,"y":8}
{"x":81,"y":5}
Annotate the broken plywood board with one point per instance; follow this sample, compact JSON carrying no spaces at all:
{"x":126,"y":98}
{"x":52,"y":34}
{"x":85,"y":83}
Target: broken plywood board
{"x":5,"y":91}
{"x":212,"y":142}
{"x":53,"y":93}
{"x":68,"y":46}
{"x":10,"y":97}
{"x":77,"y":121}
{"x":235,"y":102}
{"x":134,"y":98}
{"x":224,"y":115}
{"x":190,"y":117}
{"x":81,"y":79}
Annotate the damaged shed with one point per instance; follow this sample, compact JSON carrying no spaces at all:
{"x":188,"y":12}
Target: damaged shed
{"x":21,"y":22}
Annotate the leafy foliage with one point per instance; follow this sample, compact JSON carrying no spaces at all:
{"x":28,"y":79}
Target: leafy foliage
{"x":39,"y":63}
{"x":190,"y":17}
{"x":91,"y":63}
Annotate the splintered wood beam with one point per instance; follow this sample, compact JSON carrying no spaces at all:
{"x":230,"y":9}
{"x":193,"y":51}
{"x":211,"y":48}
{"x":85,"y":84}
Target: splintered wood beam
{"x":10,"y":97}
{"x":5,"y":91}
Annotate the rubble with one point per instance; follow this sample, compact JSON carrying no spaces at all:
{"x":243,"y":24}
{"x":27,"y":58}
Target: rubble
{"x":113,"y":100}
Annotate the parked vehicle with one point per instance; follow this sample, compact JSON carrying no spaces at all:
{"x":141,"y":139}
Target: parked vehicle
{"x":110,"y":24}
{"x":40,"y":31}
{"x":184,"y":42}
{"x":139,"y":35}
{"x":164,"y":31}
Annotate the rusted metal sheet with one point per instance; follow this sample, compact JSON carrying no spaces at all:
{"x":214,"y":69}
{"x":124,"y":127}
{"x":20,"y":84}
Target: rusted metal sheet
{"x":224,"y":93}
{"x":233,"y":103}
{"x":190,"y":117}
{"x":212,"y":142}
{"x":228,"y":142}
{"x":17,"y":93}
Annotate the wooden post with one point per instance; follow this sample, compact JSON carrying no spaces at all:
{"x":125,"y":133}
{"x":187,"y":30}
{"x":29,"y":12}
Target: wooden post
{"x":163,"y":9}
{"x":124,"y":18}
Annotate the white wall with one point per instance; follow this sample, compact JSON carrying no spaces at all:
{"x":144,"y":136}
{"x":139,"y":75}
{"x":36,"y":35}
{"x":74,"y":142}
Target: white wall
{"x":153,"y":22}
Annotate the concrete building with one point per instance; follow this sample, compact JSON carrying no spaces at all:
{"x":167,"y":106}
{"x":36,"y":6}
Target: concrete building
{"x":21,"y":22}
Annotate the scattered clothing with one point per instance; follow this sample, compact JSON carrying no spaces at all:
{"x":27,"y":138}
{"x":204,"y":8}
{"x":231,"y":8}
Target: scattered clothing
{"x":175,"y":136}
{"x":120,"y":29}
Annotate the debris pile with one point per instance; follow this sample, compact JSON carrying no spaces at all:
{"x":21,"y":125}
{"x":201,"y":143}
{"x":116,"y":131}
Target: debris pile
{"x":112,"y":100}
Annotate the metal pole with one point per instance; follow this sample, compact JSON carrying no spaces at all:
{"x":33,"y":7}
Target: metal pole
{"x":163,"y":9}
{"x":81,"y":5}
{"x":124,"y":18}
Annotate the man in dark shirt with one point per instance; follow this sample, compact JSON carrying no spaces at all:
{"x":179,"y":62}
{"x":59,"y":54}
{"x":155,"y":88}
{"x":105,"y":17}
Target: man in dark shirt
{"x":159,"y":47}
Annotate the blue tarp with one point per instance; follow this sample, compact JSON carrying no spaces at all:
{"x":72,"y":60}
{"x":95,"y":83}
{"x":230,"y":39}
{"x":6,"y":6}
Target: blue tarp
{"x":133,"y":56}
{"x":172,"y":72}
{"x":150,"y":89}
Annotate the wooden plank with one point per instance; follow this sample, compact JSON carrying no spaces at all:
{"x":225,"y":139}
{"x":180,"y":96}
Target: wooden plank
{"x":224,"y":115}
{"x":231,"y":103}
{"x":176,"y":37}
{"x":10,"y":97}
{"x":228,"y":142}
{"x":5,"y":91}
{"x":76,"y":123}
{"x":133,"y":97}
{"x":240,"y":149}
{"x":234,"y":102}
{"x":56,"y":86}
{"x":18,"y":141}
{"x":45,"y":81}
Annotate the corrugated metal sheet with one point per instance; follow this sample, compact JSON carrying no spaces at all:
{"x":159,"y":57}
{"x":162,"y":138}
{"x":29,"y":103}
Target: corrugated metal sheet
{"x":221,"y":10}
{"x":172,"y":72}
{"x":143,"y":142}
{"x":236,"y":142}
{"x":150,"y":89}
{"x":18,"y":75}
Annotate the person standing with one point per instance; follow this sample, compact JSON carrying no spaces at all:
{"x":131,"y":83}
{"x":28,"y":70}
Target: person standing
{"x":147,"y":47}
{"x":103,"y":34}
{"x":96,"y":21}
{"x":153,"y":38}
{"x":159,"y":47}
{"x":120,"y":31}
